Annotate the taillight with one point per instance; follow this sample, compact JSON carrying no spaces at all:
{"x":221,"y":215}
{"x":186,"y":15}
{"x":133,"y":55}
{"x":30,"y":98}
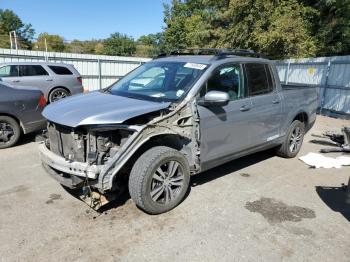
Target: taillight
{"x":42,"y":101}
{"x":79,"y":79}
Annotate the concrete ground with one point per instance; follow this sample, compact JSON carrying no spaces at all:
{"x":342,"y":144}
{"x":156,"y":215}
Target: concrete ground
{"x":258,"y":208}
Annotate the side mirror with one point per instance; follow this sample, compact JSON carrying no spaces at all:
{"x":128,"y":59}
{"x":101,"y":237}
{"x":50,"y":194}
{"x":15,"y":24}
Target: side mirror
{"x":214,"y":98}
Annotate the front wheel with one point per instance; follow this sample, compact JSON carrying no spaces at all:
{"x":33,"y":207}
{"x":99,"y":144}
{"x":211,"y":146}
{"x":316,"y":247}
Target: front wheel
{"x":293,"y":141}
{"x":159,"y":180}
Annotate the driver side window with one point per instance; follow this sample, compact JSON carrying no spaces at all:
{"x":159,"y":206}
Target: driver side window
{"x":227,"y":78}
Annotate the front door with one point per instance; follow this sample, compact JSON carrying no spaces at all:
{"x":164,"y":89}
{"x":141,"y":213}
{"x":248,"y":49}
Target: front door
{"x":224,"y":130}
{"x":10,"y":74}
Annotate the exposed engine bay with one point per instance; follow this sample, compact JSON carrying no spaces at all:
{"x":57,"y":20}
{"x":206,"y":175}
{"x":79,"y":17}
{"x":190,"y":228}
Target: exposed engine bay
{"x":94,"y":145}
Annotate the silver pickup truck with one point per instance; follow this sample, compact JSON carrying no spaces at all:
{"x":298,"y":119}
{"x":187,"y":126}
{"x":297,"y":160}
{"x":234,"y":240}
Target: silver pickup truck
{"x":175,"y":116}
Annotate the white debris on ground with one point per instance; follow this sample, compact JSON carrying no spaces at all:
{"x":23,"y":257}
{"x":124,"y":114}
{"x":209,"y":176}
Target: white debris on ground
{"x":320,"y":161}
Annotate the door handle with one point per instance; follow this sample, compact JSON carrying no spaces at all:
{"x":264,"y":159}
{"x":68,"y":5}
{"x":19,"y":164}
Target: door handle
{"x":49,"y":79}
{"x":244,"y":108}
{"x":15,"y":81}
{"x":275,"y":101}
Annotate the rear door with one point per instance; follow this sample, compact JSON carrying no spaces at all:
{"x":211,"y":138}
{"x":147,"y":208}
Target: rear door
{"x":34,"y":75}
{"x":225,"y":130}
{"x":266,"y":103}
{"x":64,"y":76}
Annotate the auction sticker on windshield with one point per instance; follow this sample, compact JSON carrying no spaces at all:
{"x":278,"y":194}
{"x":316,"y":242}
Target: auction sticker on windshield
{"x":195,"y":66}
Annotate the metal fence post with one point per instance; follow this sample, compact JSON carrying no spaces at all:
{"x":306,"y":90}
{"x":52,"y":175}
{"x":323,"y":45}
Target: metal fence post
{"x":99,"y":74}
{"x":324,"y":93}
{"x":286,"y":78}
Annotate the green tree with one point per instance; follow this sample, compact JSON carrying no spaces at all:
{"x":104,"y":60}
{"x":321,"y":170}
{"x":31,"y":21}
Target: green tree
{"x":191,"y":23}
{"x":9,"y":21}
{"x":119,"y":44}
{"x":150,"y":45}
{"x":283,"y":28}
{"x":55,"y":43}
{"x":330,"y":25}
{"x":277,"y":28}
{"x":83,"y":47}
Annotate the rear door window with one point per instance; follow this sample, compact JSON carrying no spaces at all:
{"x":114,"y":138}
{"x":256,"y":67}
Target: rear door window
{"x":32,"y":70}
{"x":9,"y":71}
{"x":259,"y":79}
{"x":60,"y":70}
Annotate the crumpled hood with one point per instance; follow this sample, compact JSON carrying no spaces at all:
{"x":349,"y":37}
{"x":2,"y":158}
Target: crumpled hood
{"x":98,"y":108}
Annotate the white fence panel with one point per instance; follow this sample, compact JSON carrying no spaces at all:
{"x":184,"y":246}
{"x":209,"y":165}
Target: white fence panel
{"x":97,"y":71}
{"x":330,"y":74}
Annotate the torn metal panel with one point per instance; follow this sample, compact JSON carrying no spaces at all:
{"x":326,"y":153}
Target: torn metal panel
{"x":183,"y":121}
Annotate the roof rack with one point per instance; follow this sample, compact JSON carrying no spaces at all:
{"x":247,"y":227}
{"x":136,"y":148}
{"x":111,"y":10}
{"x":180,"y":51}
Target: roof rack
{"x":239,"y":52}
{"x":218,"y":53}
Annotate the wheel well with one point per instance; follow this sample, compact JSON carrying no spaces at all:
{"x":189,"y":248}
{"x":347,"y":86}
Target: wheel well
{"x":302,"y":117}
{"x":65,"y":88}
{"x":173,"y":141}
{"x":15,"y":118}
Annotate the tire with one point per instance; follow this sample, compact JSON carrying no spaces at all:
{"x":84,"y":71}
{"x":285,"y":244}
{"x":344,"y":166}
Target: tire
{"x":57,"y":94}
{"x":151,"y":174}
{"x":286,"y":150}
{"x":10,"y":132}
{"x":347,"y":197}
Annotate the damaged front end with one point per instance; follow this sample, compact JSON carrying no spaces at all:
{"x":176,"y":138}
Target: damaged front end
{"x":96,"y":158}
{"x":75,"y":157}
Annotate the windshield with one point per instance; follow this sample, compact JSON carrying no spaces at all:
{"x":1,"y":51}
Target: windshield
{"x":159,"y":81}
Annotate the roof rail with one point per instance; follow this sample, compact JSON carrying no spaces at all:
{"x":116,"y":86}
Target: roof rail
{"x":218,"y":53}
{"x":239,"y":52}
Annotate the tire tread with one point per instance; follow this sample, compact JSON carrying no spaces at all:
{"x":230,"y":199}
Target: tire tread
{"x":283,"y":150}
{"x":139,"y":173}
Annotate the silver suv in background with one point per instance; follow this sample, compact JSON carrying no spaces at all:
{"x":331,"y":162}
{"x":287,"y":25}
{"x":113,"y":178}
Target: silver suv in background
{"x":55,"y":80}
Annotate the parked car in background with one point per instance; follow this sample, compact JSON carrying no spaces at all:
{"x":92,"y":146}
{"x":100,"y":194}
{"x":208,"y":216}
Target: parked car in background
{"x":170,"y":118}
{"x":20,"y":113}
{"x":55,"y":80}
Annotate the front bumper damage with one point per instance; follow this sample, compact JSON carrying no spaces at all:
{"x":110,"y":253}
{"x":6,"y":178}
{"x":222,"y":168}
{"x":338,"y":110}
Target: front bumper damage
{"x":75,"y":175}
{"x":100,"y":180}
{"x":83,"y":170}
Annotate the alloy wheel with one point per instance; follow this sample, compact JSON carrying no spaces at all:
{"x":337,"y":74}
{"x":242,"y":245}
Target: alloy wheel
{"x":295,"y":139}
{"x":6,"y":132}
{"x":58,"y":94}
{"x":167,"y":181}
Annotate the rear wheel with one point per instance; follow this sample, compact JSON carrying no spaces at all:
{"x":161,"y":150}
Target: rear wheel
{"x":159,"y":180}
{"x":57,"y":94}
{"x":10,"y":132}
{"x":347,"y":198}
{"x":293,"y":141}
